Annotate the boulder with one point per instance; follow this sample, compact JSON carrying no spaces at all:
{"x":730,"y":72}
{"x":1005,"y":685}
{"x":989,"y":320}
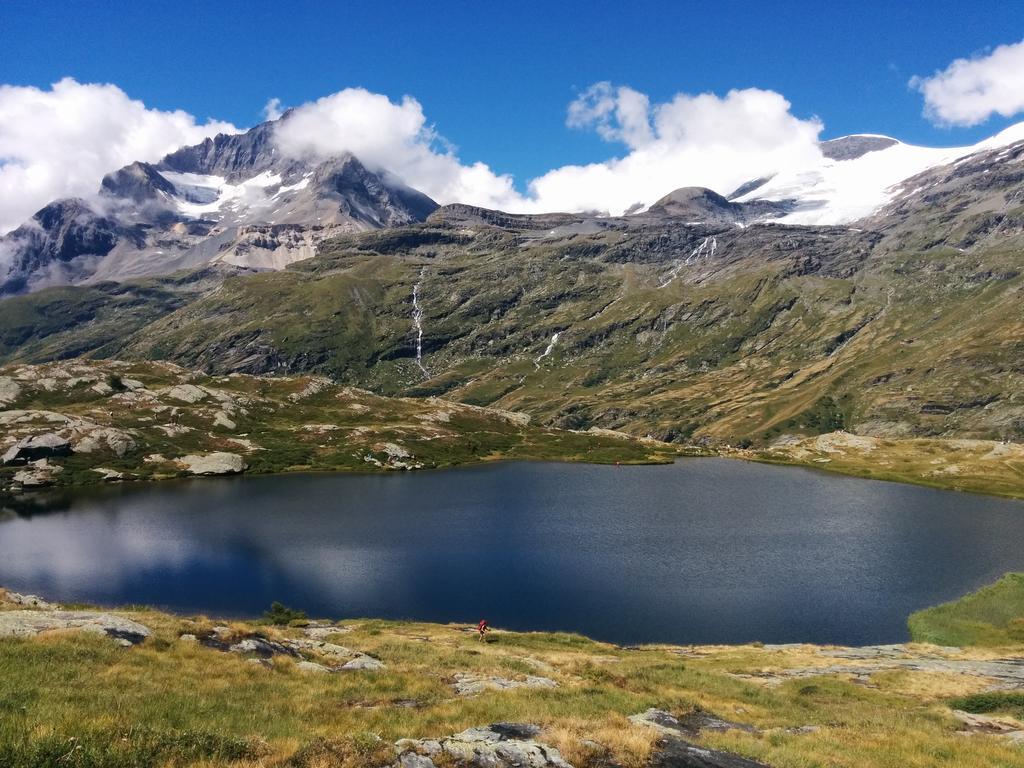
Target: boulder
{"x":37,"y":447}
{"x":320,"y":632}
{"x":364,"y":662}
{"x":1008,"y":727}
{"x":31,"y":623}
{"x":221,"y":419}
{"x":28,"y":601}
{"x":310,"y":666}
{"x":186,"y":393}
{"x":119,"y":442}
{"x":109,"y":475}
{"x":690,"y":724}
{"x":40,"y":473}
{"x":217,"y":463}
{"x":9,"y":390}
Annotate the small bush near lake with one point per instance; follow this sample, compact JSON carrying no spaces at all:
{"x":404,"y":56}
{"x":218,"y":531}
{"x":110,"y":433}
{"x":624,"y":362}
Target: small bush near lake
{"x":281,"y":615}
{"x":1001,"y":702}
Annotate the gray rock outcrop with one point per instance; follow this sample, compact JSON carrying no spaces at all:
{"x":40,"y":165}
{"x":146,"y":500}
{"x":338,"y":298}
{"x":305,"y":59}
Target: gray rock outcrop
{"x":35,"y":447}
{"x":28,"y":601}
{"x":31,"y":623}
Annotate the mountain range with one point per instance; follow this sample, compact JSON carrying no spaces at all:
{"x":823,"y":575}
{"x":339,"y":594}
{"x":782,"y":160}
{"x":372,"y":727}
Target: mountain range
{"x":879,"y":292}
{"x":233,"y":199}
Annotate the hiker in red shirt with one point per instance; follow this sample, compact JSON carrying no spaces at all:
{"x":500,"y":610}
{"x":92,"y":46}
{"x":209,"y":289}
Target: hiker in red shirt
{"x":483,"y":628}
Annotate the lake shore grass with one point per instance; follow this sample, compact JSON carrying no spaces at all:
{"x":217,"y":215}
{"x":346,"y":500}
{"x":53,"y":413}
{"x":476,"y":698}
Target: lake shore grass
{"x":139,"y":421}
{"x":987,"y":467}
{"x":993,"y":616}
{"x":81,"y":700}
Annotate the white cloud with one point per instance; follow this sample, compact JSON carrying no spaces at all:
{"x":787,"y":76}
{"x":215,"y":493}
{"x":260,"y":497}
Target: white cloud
{"x":969,"y":91}
{"x":617,"y":114}
{"x":394,"y":137}
{"x":272,"y":109}
{"x":62,"y":141}
{"x":703,"y":140}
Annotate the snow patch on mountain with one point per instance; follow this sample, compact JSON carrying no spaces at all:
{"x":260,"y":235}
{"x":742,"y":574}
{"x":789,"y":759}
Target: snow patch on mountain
{"x":199,"y":195}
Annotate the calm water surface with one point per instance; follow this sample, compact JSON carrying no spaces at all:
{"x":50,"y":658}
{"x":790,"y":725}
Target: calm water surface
{"x":705,"y":550}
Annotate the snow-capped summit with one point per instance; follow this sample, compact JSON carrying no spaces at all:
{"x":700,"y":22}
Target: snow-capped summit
{"x":857,"y":175}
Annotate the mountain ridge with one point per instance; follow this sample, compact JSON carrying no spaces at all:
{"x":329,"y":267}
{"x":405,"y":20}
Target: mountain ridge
{"x":226,"y":199}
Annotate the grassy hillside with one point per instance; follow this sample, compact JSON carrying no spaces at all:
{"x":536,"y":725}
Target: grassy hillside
{"x":785,"y":331}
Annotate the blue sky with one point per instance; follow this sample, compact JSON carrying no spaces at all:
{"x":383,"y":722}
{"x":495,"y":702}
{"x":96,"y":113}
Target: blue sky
{"x":496,"y":79}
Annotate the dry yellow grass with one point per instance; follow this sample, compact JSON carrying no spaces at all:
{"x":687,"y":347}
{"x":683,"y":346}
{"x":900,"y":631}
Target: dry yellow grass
{"x":67,"y":685}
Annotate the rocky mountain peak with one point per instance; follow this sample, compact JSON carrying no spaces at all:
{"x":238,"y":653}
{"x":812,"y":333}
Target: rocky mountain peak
{"x":698,"y":201}
{"x":233,"y":156}
{"x":699,"y":204}
{"x":138,"y":182}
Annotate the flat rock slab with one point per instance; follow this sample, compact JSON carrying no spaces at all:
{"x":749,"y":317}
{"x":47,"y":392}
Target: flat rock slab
{"x":689,"y":725}
{"x":502,"y":745}
{"x":1007,"y":727}
{"x":1008,"y":673}
{"x":467,"y":684}
{"x":262,"y":647}
{"x":674,"y":751}
{"x":322,"y":633}
{"x":32,"y":623}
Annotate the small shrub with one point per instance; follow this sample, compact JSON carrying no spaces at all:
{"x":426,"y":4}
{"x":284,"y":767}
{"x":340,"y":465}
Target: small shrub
{"x":361,"y":750}
{"x":1010,"y":702}
{"x":1015,"y":630}
{"x":281,"y":615}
